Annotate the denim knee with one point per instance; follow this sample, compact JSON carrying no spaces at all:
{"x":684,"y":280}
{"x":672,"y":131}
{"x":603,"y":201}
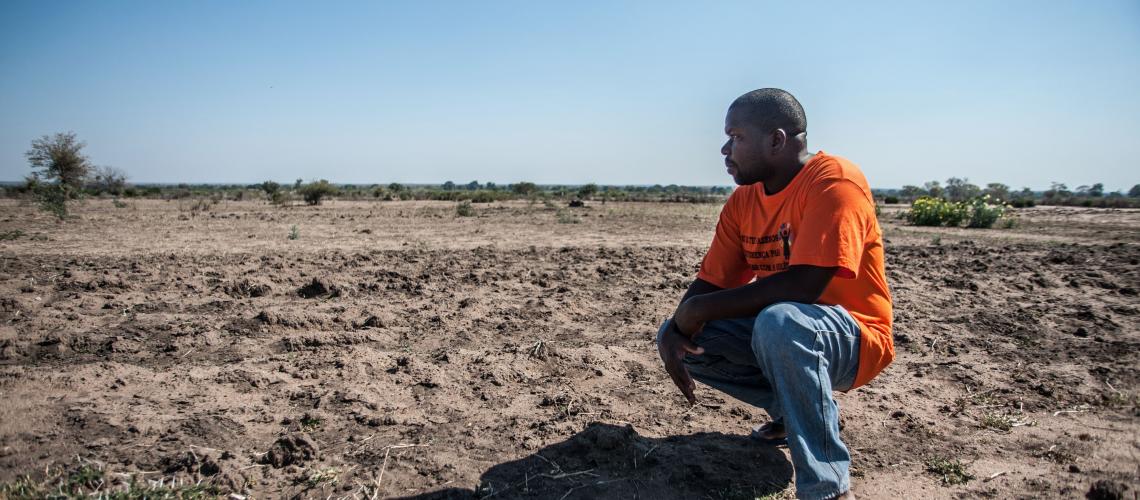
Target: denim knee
{"x":774,"y":327}
{"x":661,"y":331}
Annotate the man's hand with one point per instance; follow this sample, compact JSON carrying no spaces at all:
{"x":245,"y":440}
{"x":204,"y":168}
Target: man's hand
{"x":673,"y":348}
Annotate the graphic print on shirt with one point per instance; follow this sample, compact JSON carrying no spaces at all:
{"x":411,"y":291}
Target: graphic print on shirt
{"x":786,"y":237}
{"x":768,"y":253}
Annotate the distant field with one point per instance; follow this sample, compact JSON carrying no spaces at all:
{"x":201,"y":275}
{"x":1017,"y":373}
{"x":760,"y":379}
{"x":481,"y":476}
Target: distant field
{"x":399,"y":349}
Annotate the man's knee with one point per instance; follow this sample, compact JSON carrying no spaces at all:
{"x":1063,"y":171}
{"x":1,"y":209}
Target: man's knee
{"x":775,"y":327}
{"x":661,"y":331}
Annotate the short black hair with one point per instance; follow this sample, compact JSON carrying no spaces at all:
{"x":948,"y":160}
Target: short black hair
{"x":770,"y":109}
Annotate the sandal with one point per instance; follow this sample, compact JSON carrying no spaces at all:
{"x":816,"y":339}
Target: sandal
{"x":771,"y":433}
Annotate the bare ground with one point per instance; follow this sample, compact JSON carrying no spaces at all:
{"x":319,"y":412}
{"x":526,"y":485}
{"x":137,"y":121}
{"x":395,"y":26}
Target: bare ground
{"x":395,"y":349}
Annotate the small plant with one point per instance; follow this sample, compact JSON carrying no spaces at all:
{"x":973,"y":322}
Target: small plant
{"x":326,"y":475}
{"x":952,"y":471}
{"x":997,"y":422}
{"x":11,"y":235}
{"x":119,"y":204}
{"x":567,"y":218}
{"x":200,"y":205}
{"x":294,"y":233}
{"x":464,"y":209}
{"x":309,"y":422}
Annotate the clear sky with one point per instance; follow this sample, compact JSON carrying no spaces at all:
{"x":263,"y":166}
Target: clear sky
{"x":1019,"y":92}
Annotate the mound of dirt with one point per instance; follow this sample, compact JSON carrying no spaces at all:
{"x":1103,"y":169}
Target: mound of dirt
{"x":247,"y":288}
{"x":322,"y":287}
{"x":291,"y":449}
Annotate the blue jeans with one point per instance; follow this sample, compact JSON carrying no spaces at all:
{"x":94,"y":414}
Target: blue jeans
{"x":787,"y":360}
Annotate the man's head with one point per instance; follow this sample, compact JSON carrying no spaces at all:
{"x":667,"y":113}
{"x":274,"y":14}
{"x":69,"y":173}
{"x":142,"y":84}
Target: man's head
{"x":767,"y":132}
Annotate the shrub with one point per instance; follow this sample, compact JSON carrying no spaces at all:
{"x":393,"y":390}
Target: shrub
{"x":101,"y":180}
{"x":891,"y":200}
{"x":53,"y":199}
{"x":278,"y":197}
{"x":984,"y":213}
{"x":464,"y":209}
{"x":314,"y":192}
{"x":270,"y":188}
{"x":524,"y":188}
{"x":927,"y":211}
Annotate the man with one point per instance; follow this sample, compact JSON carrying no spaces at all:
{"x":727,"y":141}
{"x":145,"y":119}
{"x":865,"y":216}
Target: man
{"x":791,"y":300}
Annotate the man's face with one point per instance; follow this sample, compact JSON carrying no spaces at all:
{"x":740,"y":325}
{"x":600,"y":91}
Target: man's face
{"x":744,"y":151}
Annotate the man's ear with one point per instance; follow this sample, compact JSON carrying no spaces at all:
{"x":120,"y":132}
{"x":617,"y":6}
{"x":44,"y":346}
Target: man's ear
{"x":779,"y":140}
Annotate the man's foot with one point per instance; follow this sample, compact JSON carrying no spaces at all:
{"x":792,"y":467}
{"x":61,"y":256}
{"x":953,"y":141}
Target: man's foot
{"x":846,"y":495}
{"x":772,"y":433}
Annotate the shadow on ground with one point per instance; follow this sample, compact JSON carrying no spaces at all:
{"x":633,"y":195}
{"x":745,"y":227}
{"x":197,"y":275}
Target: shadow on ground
{"x":608,"y":461}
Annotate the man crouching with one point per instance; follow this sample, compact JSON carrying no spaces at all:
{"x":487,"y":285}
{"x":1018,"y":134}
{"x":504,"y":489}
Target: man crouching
{"x":791,"y":301}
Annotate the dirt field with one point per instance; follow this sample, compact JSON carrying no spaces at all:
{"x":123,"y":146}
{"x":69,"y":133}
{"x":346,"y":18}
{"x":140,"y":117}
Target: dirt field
{"x":395,"y":349}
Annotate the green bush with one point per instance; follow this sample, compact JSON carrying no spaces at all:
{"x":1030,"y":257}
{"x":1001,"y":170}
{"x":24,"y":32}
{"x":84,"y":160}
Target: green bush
{"x":984,"y":213}
{"x":314,"y":192}
{"x":981,"y":212}
{"x":464,"y":209}
{"x":927,"y":211}
{"x":891,"y":200}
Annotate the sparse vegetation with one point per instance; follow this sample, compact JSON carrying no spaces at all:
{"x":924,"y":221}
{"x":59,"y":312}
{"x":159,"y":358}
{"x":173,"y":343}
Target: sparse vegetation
{"x":997,"y":422}
{"x":11,"y":235}
{"x":951,"y":471}
{"x":294,"y":233}
{"x":565,"y":217}
{"x":961,"y":190}
{"x":90,"y":481}
{"x":109,"y":180}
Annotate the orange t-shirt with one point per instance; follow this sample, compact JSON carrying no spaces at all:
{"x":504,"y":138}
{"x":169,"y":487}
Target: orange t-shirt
{"x":825,"y":217}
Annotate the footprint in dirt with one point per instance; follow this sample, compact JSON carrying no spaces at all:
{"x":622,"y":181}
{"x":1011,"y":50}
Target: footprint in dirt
{"x":609,"y":461}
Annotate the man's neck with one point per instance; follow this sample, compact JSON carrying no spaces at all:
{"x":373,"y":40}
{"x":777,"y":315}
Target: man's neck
{"x":788,"y":174}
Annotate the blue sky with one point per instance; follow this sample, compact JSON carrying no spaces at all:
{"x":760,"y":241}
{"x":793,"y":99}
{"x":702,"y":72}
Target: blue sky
{"x":1023,"y":93}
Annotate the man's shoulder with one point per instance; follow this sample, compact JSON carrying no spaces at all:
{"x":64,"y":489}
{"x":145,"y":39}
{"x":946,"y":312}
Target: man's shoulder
{"x":741,"y":196}
{"x":829,"y":168}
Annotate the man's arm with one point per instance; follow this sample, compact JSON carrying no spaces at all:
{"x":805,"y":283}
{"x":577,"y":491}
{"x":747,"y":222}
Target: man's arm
{"x":798,"y":284}
{"x":705,"y":301}
{"x":698,"y":287}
